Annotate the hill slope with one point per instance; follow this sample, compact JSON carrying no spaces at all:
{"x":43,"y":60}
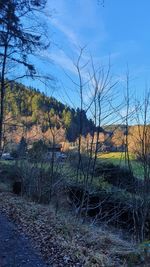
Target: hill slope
{"x":27,"y":110}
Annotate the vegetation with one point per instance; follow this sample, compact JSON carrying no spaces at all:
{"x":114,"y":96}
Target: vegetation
{"x":27,"y":107}
{"x":100,"y":186}
{"x":17,"y":42}
{"x":99,"y":171}
{"x":118,"y":158}
{"x":63,"y":239}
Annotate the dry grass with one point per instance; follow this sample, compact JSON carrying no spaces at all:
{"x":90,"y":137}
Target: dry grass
{"x":62,"y":239}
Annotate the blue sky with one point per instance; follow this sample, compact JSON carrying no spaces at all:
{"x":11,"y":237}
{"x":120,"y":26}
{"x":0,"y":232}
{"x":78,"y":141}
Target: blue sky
{"x":119,"y":30}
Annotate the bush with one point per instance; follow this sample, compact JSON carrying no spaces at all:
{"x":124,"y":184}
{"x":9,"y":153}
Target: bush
{"x":117,"y":176}
{"x":38,"y":150}
{"x":38,"y":182}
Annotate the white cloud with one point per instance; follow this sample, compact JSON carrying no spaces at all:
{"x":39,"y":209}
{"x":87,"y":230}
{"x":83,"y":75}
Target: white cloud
{"x":72,"y":37}
{"x":79,"y":21}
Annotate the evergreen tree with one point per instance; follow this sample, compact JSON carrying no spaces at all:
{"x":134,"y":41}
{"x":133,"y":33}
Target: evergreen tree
{"x":22,"y":148}
{"x":66,"y":118}
{"x":17,"y":42}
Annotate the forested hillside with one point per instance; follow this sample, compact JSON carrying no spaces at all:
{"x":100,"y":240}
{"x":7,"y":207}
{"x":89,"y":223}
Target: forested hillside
{"x":27,"y":107}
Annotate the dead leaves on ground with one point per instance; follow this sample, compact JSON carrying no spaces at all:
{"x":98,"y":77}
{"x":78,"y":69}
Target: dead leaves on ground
{"x":60,"y":238}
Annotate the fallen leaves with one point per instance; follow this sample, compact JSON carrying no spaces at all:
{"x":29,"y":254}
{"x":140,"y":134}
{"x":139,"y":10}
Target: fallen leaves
{"x":60,"y":238}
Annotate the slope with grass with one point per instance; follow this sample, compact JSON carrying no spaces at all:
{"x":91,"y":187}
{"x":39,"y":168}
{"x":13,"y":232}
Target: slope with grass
{"x":118,"y":158}
{"x":63,"y":240}
{"x":60,"y":235}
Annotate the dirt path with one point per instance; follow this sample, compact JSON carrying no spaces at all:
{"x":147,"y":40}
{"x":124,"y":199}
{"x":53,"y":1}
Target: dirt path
{"x":15,"y":248}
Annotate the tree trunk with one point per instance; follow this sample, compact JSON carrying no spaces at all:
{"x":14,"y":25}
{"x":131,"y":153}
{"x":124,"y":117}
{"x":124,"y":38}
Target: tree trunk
{"x":2,"y":97}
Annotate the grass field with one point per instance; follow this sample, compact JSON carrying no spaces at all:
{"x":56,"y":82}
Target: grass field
{"x":118,"y":158}
{"x":68,"y":171}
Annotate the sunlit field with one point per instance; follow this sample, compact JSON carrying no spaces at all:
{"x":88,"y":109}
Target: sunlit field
{"x":118,"y":158}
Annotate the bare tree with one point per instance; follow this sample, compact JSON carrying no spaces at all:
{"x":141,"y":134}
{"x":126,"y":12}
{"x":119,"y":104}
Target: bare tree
{"x":143,"y":149}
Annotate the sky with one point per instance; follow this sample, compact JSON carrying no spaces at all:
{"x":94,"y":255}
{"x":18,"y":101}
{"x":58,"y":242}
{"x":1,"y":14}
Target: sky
{"x":117,"y":30}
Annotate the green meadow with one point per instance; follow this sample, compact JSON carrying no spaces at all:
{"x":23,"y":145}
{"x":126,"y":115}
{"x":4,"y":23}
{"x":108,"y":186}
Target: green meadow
{"x":118,"y":158}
